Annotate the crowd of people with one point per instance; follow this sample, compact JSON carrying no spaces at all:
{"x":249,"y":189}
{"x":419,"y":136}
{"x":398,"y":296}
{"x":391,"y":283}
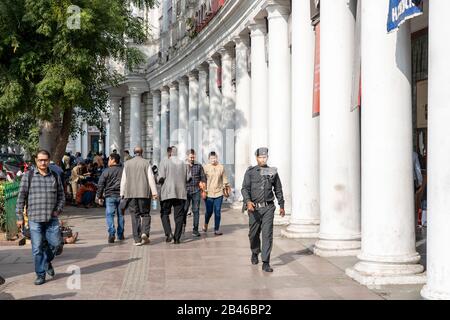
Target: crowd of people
{"x":134,"y":186}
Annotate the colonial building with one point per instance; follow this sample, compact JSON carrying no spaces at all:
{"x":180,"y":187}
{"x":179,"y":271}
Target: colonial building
{"x":232,"y":76}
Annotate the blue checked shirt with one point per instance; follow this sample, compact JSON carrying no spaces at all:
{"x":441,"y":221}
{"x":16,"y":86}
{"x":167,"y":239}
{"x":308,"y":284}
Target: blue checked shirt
{"x":46,"y":196}
{"x":198,"y":175}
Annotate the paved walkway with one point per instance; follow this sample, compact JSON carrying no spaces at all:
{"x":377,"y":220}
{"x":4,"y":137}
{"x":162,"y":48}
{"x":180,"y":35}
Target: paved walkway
{"x":205,"y":268}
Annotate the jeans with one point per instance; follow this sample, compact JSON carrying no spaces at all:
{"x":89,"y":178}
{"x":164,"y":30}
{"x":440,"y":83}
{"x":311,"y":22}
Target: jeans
{"x":214,"y":204}
{"x":195,"y":199}
{"x":45,"y":242}
{"x":112,"y":207}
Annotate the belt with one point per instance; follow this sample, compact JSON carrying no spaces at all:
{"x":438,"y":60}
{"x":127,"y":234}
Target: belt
{"x":263,"y":204}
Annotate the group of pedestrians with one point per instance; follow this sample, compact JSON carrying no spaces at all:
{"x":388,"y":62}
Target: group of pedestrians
{"x":132,"y":187}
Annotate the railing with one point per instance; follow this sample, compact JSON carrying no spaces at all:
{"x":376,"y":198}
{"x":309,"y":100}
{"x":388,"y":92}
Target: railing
{"x":8,"y":200}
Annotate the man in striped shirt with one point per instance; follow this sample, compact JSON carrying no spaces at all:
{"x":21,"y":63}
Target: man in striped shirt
{"x":44,"y":199}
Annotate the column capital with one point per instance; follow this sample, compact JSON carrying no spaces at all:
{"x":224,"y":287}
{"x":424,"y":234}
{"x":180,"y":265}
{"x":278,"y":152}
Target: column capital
{"x":202,"y":69}
{"x":225,"y":53}
{"x":257,"y":28}
{"x":241,"y":40}
{"x":192,"y":75}
{"x":173,"y":86}
{"x":115,"y":99}
{"x":277,"y":9}
{"x":183,"y":81}
{"x":212,"y":62}
{"x":164,"y":89}
{"x":135,"y":92}
{"x":156,"y":92}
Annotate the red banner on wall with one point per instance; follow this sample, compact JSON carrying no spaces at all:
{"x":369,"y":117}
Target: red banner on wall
{"x":316,"y":98}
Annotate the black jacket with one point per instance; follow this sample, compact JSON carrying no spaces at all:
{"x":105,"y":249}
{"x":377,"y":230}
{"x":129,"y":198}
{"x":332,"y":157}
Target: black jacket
{"x":260,"y":184}
{"x":109,"y":183}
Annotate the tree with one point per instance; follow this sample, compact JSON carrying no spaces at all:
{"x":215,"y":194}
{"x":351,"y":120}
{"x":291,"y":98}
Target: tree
{"x":54,"y":60}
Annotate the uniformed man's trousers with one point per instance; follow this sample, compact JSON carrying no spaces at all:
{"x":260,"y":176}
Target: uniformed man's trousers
{"x":261,"y":222}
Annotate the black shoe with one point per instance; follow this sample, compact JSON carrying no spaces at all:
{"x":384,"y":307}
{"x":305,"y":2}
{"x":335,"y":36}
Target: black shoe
{"x":111,"y":239}
{"x":196,"y":234}
{"x":169,"y":238}
{"x":121,"y":238}
{"x":2,"y":281}
{"x":39,"y":281}
{"x":50,"y":270}
{"x":177,"y":242}
{"x":266,"y":267}
{"x":255,"y":260}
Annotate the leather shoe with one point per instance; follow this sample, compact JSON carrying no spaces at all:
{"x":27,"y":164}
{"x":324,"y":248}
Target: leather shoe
{"x":169,"y":238}
{"x":39,"y":281}
{"x":196,"y":234}
{"x":255,"y":260}
{"x":111,"y":239}
{"x":50,"y":270}
{"x":266,"y":267}
{"x":177,"y":242}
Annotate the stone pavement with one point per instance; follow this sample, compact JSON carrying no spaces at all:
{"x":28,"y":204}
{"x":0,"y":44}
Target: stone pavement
{"x":213,"y":268}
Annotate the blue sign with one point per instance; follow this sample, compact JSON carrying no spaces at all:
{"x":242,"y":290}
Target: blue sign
{"x":401,"y":11}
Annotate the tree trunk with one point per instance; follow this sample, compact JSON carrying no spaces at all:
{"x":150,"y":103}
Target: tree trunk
{"x":54,"y":135}
{"x":63,"y":137}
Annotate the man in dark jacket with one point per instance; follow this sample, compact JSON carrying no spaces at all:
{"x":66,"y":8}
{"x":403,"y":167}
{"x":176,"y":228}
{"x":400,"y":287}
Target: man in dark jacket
{"x":109,"y":189}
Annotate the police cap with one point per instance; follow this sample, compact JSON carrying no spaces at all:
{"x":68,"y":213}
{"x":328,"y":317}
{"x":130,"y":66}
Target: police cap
{"x":262,"y":152}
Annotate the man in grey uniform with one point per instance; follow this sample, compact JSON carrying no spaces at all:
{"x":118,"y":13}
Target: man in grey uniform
{"x":258,"y":188}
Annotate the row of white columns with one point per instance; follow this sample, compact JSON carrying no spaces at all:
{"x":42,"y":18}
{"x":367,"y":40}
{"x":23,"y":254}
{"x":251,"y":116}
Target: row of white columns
{"x":366,"y":196}
{"x":235,"y":123}
{"x":352,"y":184}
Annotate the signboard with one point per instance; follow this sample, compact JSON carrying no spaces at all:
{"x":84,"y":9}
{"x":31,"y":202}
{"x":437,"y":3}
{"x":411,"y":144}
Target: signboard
{"x":402,"y":10}
{"x":422,"y":104}
{"x":315,"y":11}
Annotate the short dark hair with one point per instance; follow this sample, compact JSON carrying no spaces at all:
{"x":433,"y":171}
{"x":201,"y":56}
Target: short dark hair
{"x":212,"y":154}
{"x":115,"y":151}
{"x":115,"y":157}
{"x":126,"y":151}
{"x":191,"y":152}
{"x":45,"y":152}
{"x":169,"y":149}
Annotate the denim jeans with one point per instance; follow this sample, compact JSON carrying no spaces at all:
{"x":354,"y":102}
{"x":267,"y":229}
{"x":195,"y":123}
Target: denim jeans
{"x":112,"y":208}
{"x":214,"y":205}
{"x":45,"y":242}
{"x":195,"y":199}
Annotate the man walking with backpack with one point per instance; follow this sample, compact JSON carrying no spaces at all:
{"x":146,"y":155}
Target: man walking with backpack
{"x":42,"y":193}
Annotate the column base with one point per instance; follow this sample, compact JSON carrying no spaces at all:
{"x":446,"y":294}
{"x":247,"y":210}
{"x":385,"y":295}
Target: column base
{"x":375,"y":274}
{"x":337,"y":248}
{"x":301,"y":231}
{"x":431,"y":294}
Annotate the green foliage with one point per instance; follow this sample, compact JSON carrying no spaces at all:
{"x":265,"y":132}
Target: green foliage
{"x":47,"y":62}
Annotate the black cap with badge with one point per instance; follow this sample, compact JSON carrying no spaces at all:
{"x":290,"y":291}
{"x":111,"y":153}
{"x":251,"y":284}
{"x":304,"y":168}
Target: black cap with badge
{"x":261,"y":152}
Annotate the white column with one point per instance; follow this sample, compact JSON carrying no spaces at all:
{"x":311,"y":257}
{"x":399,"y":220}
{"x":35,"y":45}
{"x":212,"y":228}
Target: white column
{"x":84,"y":141}
{"x":259,"y":121}
{"x":243,"y":114}
{"x":107,"y":150}
{"x":78,"y":144}
{"x":438,"y":235}
{"x":173,"y":114}
{"x":305,"y":216}
{"x":183,"y":121}
{"x":135,"y":118}
{"x":388,"y":246}
{"x":228,"y":112}
{"x":156,"y":127}
{"x":115,"y":138}
{"x":340,"y":185}
{"x":215,"y":112}
{"x":202,"y":126}
{"x":194,"y":139}
{"x":164,"y":122}
{"x":280,"y":99}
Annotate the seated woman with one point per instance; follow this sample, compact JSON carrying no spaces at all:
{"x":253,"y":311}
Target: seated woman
{"x":86,"y":194}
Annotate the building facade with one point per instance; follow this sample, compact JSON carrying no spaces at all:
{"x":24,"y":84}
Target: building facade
{"x":232,"y":76}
